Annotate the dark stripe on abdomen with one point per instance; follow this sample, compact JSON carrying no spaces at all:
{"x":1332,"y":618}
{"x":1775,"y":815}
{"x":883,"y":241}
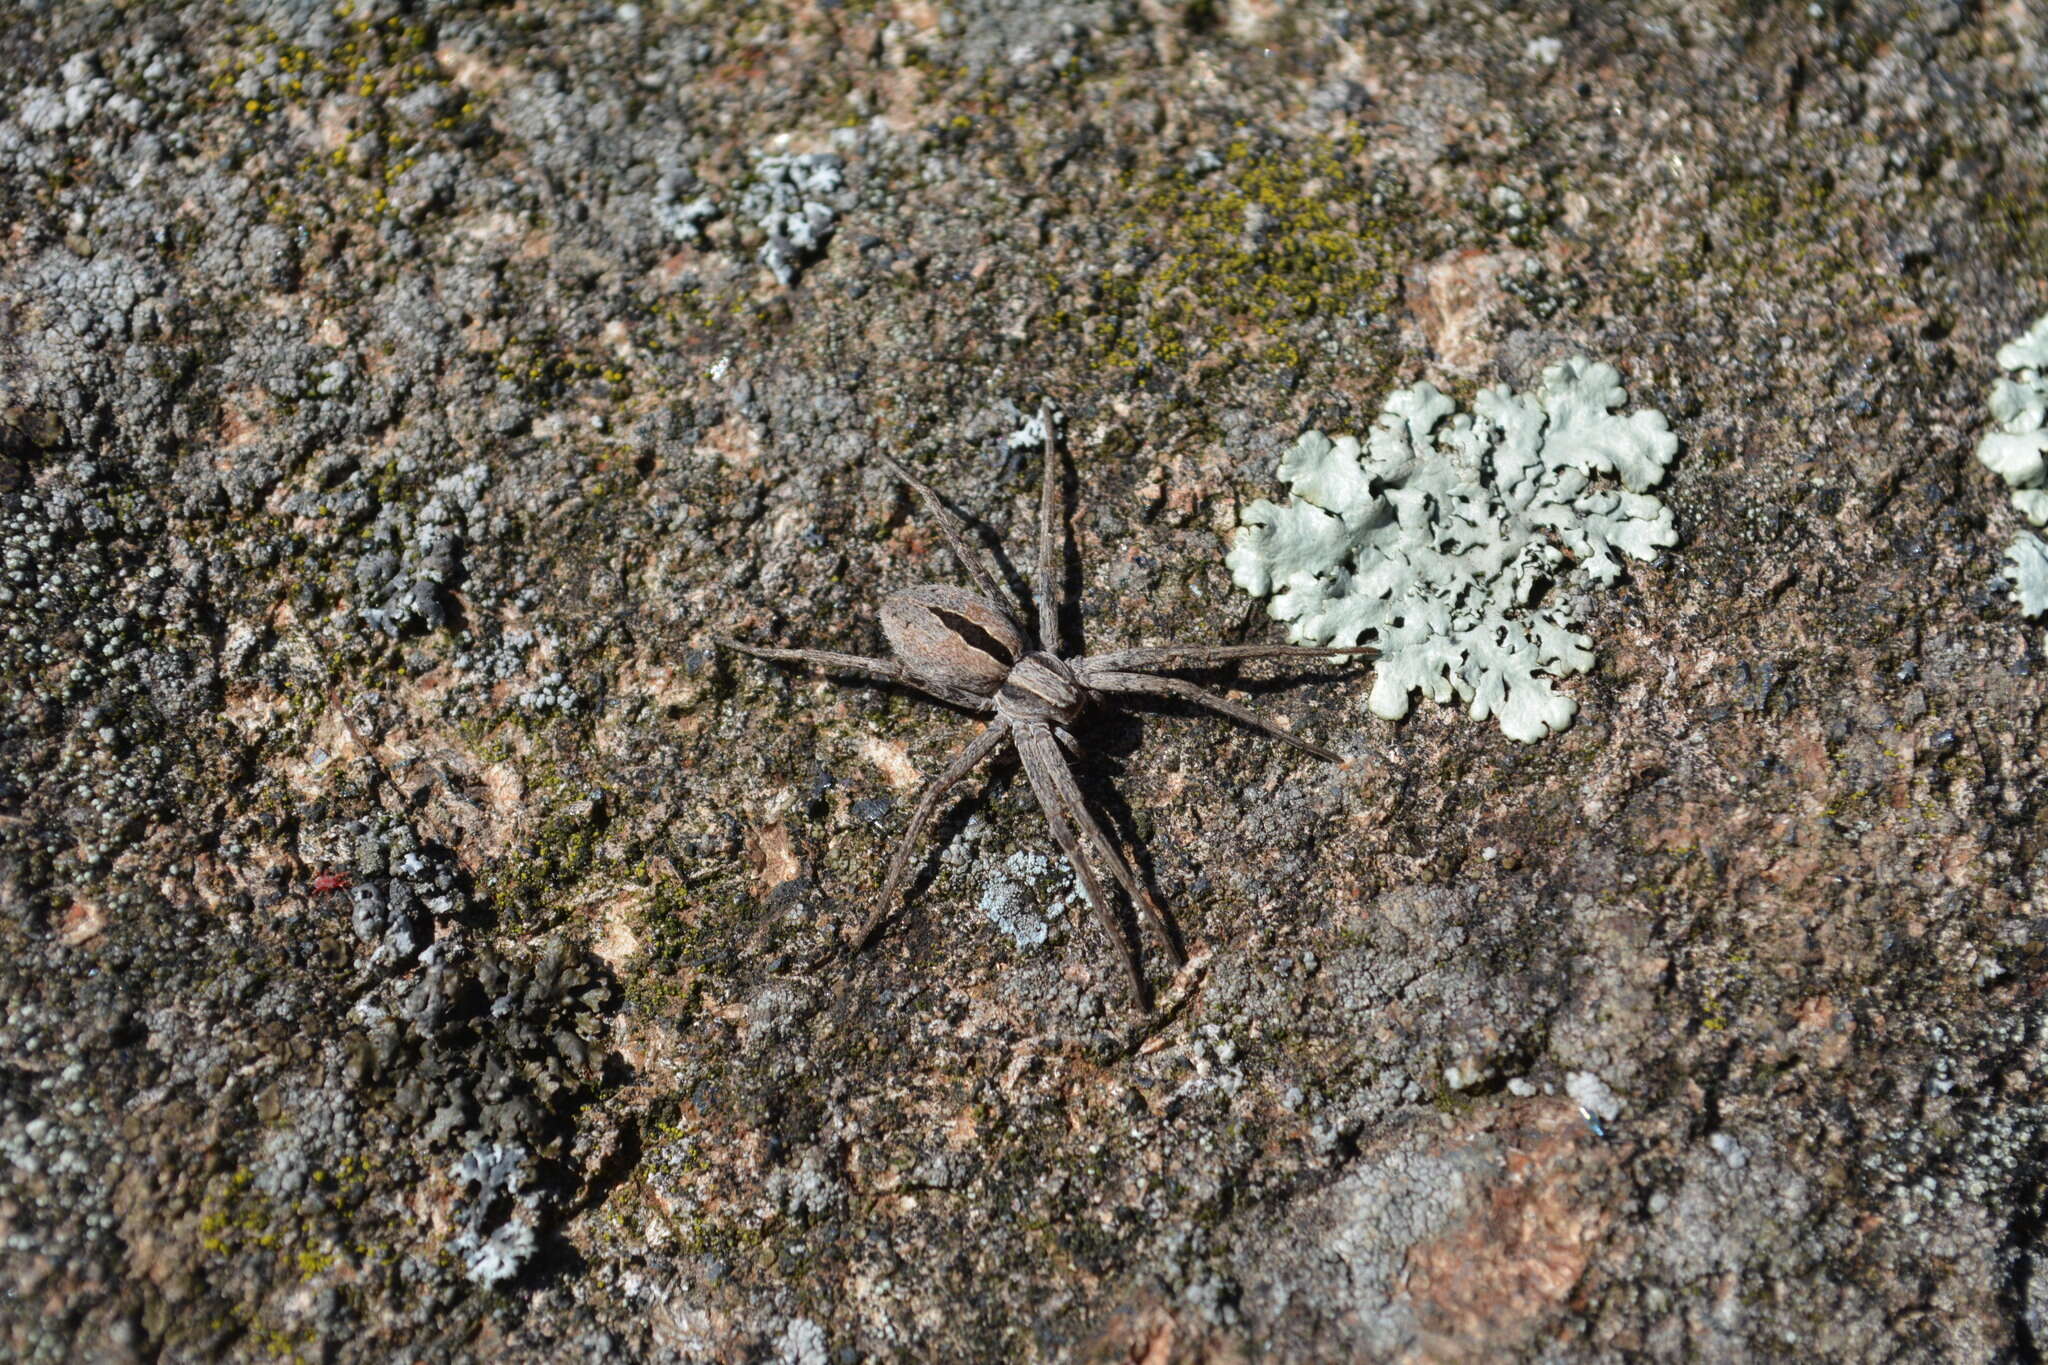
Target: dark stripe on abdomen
{"x":975,"y":637}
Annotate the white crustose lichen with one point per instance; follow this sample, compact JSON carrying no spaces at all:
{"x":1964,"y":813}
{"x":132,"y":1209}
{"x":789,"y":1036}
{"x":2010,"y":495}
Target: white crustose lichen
{"x":1438,"y":538}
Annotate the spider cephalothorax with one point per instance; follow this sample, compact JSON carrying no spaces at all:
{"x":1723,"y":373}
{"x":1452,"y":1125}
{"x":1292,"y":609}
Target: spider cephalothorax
{"x":969,"y":649}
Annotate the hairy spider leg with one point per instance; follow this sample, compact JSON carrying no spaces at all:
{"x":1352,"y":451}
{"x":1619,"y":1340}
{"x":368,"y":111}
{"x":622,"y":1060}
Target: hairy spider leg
{"x":1145,"y":684}
{"x":1049,"y":539}
{"x":955,"y":532}
{"x":1034,"y":748}
{"x":1068,"y":791}
{"x":1149,"y":658}
{"x":963,"y":763}
{"x":881,"y":670}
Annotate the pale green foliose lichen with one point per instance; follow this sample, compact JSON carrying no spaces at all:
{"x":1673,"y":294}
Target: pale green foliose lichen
{"x":2026,"y":562}
{"x":1438,"y":537}
{"x":2016,"y":449}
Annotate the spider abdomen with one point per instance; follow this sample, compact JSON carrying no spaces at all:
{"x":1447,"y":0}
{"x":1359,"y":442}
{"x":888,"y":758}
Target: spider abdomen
{"x":949,"y":636}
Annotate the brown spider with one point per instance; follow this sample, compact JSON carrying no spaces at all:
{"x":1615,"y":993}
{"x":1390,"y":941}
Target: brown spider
{"x":968,"y":649}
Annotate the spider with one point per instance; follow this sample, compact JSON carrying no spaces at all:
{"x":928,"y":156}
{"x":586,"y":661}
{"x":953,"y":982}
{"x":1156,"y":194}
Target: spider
{"x":969,"y":649}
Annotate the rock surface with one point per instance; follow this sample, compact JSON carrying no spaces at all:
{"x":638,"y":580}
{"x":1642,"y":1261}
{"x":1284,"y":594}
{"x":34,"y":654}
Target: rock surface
{"x":420,"y":943}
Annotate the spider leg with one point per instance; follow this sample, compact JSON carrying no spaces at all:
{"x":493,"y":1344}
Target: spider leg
{"x":1062,"y":779}
{"x":1067,"y":740}
{"x":859,"y":665}
{"x":1035,"y":747}
{"x":1047,"y":582}
{"x":955,"y":532}
{"x":1204,"y":656}
{"x":882,"y":670}
{"x":963,"y":763}
{"x":1144,"y":684}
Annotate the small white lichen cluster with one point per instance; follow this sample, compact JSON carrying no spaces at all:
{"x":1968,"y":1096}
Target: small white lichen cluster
{"x":1031,"y":435}
{"x":681,"y":217}
{"x":784,"y":198}
{"x":1007,"y":899}
{"x":46,"y":109}
{"x":803,"y":1342}
{"x":1437,"y":537}
{"x":2017,"y":451}
{"x":491,"y":1175}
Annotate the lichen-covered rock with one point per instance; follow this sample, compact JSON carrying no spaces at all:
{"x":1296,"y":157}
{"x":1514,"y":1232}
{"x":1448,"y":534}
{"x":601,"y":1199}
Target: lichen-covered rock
{"x":387,"y":427}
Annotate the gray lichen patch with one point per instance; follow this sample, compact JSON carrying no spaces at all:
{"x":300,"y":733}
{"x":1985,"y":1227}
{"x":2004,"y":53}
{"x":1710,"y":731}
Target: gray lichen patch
{"x":2016,"y":449}
{"x":1443,"y":541}
{"x":681,"y":213}
{"x":787,"y":198}
{"x":493,"y":1240}
{"x":1008,"y":900}
{"x":414,"y":556}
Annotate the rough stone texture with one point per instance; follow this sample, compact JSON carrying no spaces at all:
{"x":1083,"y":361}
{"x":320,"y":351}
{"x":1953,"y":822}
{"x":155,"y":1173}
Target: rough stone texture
{"x":387,"y":423}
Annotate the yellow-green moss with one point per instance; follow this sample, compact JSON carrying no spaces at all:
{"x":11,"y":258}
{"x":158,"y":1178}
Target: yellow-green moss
{"x":378,"y":60}
{"x":1243,"y":260}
